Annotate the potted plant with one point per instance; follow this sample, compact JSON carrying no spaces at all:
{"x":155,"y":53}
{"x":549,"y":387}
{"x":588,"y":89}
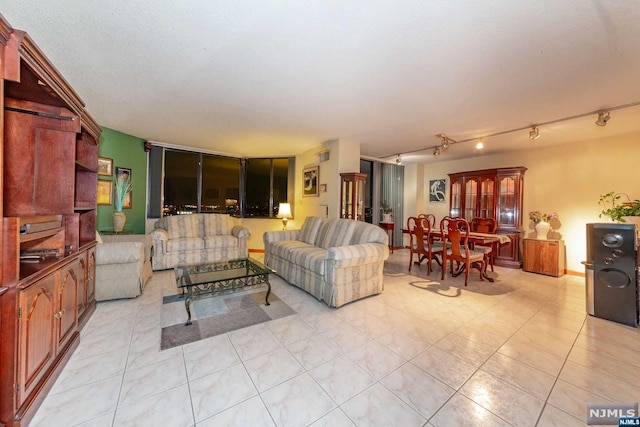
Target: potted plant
{"x":628,"y":211}
{"x":386,"y":212}
{"x":122,"y":186}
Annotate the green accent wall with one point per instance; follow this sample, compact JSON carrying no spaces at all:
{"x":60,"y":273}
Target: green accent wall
{"x":128,"y":152}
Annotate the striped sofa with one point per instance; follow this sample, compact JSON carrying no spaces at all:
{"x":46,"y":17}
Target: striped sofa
{"x":336,"y":260}
{"x":196,"y":239}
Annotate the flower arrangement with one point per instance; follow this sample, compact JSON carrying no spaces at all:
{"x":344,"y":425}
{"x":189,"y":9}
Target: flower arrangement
{"x":537,"y":216}
{"x":386,"y":208}
{"x":122,"y":187}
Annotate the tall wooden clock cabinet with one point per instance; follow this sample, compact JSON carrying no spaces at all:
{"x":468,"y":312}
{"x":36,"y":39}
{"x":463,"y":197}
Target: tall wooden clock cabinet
{"x":48,"y":177}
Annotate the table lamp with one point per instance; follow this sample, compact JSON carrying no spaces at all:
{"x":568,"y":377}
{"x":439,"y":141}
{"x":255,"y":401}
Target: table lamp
{"x":284,"y":212}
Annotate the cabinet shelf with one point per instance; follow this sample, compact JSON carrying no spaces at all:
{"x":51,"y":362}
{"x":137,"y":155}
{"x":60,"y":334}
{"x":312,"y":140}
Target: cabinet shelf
{"x":40,"y":235}
{"x":85,"y":168}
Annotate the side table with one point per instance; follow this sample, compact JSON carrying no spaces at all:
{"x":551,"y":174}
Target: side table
{"x":388,"y":226}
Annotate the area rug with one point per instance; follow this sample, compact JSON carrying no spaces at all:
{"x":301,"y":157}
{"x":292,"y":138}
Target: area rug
{"x":213,"y":316}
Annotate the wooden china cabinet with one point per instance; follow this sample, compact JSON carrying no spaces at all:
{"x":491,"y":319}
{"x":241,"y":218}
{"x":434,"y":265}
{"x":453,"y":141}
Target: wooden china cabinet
{"x":48,"y":178}
{"x":492,"y":193}
{"x":352,"y":186}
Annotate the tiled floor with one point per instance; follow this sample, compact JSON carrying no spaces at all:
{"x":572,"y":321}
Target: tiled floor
{"x":520,"y":351}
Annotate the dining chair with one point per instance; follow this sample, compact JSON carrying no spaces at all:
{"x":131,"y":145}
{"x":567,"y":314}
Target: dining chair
{"x":421,"y":242}
{"x":486,"y":225}
{"x":432,"y":223}
{"x":456,"y":232}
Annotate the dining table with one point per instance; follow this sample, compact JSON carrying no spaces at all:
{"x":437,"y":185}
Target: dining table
{"x":492,"y":239}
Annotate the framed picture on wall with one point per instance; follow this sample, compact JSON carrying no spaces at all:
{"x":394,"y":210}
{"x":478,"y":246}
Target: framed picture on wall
{"x":128,"y":200}
{"x":437,"y":190}
{"x":104,"y":192}
{"x":105,"y":166}
{"x":123,"y":173}
{"x":310,"y":187}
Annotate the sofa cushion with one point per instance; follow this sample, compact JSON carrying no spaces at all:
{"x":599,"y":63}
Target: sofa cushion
{"x":220,"y":242}
{"x":309,"y":257}
{"x":335,"y":232}
{"x":181,"y":226}
{"x":215,"y":225}
{"x":185,"y":243}
{"x":309,"y":230}
{"x":284,"y":248}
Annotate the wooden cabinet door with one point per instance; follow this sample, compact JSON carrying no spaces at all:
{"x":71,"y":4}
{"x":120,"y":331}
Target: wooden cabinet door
{"x":91,"y":276}
{"x":66,"y":303}
{"x":82,"y":286}
{"x":541,"y":256}
{"x":36,"y":329}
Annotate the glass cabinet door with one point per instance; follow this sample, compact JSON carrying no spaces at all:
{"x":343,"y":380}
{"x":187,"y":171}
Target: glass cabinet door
{"x":352,"y":198}
{"x":470,"y":199}
{"x":507,"y":202}
{"x":456,"y":198}
{"x":487,"y":188}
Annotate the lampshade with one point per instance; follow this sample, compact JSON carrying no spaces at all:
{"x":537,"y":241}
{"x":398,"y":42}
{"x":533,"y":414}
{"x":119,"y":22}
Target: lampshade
{"x":284,"y":211}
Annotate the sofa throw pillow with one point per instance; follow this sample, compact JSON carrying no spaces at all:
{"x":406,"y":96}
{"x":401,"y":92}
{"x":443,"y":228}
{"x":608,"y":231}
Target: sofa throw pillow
{"x":309,"y":230}
{"x":182,"y":226}
{"x":335,"y":232}
{"x":216,"y":225}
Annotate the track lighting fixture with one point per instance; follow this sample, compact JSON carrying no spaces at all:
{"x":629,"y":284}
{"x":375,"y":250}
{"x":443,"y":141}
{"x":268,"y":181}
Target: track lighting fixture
{"x":534,"y":133}
{"x":398,"y":159}
{"x":603,"y":118}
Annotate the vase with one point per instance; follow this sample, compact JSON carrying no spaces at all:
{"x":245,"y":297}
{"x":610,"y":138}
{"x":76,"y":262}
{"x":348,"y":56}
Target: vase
{"x":386,"y":217}
{"x":119,"y":219}
{"x":542,"y":229}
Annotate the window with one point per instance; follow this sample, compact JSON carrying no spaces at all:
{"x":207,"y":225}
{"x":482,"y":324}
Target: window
{"x":267,"y":186}
{"x":197,"y":182}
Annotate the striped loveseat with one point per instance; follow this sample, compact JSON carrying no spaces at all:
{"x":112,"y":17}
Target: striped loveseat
{"x":336,"y":260}
{"x":197,"y":238}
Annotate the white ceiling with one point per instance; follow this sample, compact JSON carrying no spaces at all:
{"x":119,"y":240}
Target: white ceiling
{"x":260,"y":78}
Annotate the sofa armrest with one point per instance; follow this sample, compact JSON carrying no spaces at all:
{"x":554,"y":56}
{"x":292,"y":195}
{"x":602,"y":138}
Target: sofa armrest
{"x":160,"y":238}
{"x":119,"y":253}
{"x":355,"y":255}
{"x":276,"y":236}
{"x":239,"y":231}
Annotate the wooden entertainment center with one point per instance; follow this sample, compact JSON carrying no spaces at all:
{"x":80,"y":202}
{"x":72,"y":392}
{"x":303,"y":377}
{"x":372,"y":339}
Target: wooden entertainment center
{"x":48,"y":176}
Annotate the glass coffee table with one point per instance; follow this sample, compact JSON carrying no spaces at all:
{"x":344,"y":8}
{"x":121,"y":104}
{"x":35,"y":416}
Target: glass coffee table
{"x":218,"y":278}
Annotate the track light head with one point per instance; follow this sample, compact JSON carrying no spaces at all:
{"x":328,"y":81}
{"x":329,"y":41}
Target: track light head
{"x":479,"y":145}
{"x":398,"y":159}
{"x":436,"y":151}
{"x":534,"y":133}
{"x":445,"y":142}
{"x":603,"y":118}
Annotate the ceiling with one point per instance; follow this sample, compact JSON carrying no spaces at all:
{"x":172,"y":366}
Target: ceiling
{"x":255,"y":78}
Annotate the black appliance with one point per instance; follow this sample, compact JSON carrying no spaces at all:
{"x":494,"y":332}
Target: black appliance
{"x":612,"y":256}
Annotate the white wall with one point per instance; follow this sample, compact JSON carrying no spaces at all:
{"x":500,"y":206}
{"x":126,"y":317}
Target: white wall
{"x":568,"y":179}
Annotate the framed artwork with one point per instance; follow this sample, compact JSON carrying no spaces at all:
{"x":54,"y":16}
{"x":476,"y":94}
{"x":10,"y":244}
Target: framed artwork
{"x":105,"y":166}
{"x":310,"y":187}
{"x":128,"y":200}
{"x":123,"y":172}
{"x":104,"y":192}
{"x":323,"y":188}
{"x":437,"y":188}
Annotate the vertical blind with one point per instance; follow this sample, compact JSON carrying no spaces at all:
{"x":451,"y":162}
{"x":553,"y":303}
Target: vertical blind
{"x":392,"y":192}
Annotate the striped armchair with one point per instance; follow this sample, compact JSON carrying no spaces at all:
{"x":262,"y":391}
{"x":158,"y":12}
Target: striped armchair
{"x":336,"y":260}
